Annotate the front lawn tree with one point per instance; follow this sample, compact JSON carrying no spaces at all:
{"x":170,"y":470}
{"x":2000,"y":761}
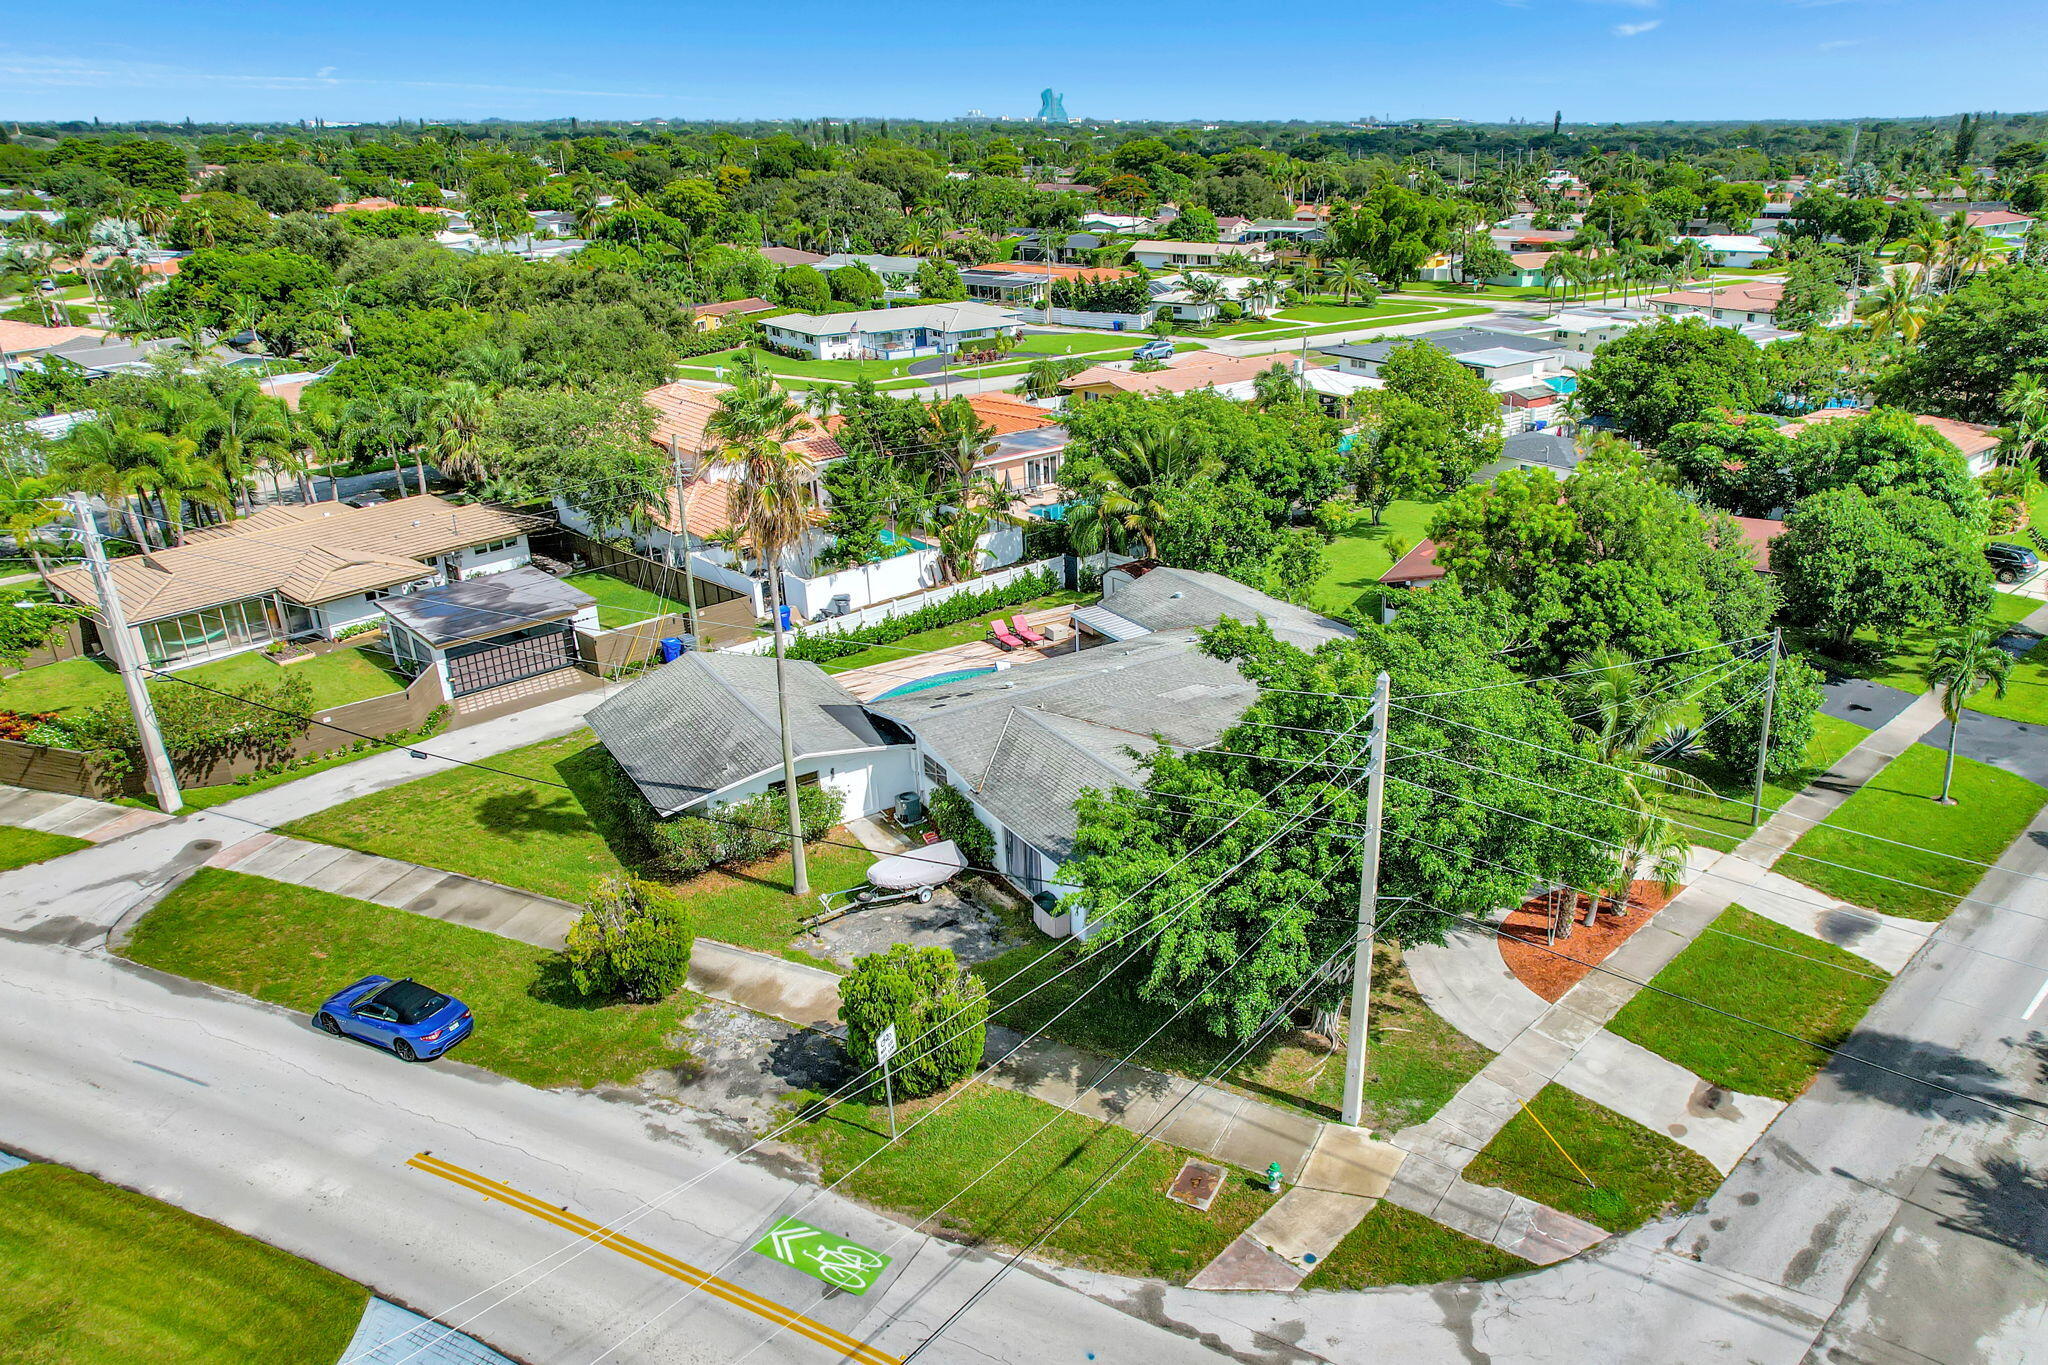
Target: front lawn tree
{"x":631,"y":942}
{"x":1650,"y":380}
{"x":1427,"y":376}
{"x":1848,"y":561}
{"x":1967,"y":658}
{"x":939,"y":1012}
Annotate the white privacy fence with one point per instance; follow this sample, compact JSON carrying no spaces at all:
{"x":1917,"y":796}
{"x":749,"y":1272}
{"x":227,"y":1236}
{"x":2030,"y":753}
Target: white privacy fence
{"x":902,"y":606}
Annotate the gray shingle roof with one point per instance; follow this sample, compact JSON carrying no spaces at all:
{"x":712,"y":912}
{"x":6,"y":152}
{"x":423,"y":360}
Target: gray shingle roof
{"x":1456,"y":340}
{"x":1167,"y":598}
{"x":707,"y":721}
{"x":1027,"y":740}
{"x":491,"y":604}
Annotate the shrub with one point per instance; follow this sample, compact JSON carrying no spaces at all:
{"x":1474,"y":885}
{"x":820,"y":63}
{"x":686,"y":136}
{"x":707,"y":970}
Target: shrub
{"x":359,"y":628}
{"x":2008,"y":513}
{"x":633,"y":941}
{"x":956,"y":820}
{"x":940,"y":1014}
{"x":1737,"y":718}
{"x":745,"y":832}
{"x":950,"y":611}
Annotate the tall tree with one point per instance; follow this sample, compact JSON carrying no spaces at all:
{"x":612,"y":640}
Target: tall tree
{"x":1966,"y":658}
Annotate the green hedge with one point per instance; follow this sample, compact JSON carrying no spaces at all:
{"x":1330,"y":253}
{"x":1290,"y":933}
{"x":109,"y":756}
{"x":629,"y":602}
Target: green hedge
{"x":745,"y":832}
{"x":939,"y":1012}
{"x":960,"y":607}
{"x":957,"y":821}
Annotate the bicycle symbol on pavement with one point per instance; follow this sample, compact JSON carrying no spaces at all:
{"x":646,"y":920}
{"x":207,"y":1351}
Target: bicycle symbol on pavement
{"x":823,"y":1255}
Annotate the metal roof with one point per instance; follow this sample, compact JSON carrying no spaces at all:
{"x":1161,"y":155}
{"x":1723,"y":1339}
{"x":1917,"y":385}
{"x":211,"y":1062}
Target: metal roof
{"x":1102,"y":621}
{"x":493,"y":604}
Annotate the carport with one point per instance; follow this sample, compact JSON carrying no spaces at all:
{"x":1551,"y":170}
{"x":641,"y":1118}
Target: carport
{"x":486,"y":632}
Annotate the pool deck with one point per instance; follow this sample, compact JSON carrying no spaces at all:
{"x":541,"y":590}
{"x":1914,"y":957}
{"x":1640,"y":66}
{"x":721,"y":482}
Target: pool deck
{"x":870,"y":682}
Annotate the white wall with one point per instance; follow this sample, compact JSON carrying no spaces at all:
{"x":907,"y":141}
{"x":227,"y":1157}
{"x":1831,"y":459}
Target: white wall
{"x":868,"y":779}
{"x":1074,"y":317}
{"x":335,"y":616}
{"x":834,"y":625}
{"x":864,"y":584}
{"x":472,"y":563}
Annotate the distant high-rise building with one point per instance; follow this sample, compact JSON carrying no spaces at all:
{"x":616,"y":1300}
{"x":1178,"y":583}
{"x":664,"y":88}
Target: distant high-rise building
{"x":1052,"y":108}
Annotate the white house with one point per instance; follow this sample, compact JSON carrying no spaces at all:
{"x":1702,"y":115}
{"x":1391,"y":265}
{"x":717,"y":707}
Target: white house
{"x":1735,"y":250}
{"x":891,"y":333}
{"x":2002,"y":225}
{"x":1197,"y":255}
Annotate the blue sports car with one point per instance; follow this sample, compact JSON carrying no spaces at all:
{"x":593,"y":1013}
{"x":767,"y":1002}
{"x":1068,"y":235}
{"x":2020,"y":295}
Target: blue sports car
{"x":409,"y":1019}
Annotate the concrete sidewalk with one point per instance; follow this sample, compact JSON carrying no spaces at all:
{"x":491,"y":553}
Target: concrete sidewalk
{"x":81,"y":817}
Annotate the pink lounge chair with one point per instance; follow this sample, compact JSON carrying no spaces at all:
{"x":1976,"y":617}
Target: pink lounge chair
{"x":1003,"y":637}
{"x":1026,"y":633}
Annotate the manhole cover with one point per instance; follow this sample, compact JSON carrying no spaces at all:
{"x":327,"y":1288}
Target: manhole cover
{"x":1197,"y":1184}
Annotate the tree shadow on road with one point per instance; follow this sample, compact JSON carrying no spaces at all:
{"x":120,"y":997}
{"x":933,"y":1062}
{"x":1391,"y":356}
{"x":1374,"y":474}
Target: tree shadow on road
{"x":2004,"y":1203}
{"x":1927,"y":1079}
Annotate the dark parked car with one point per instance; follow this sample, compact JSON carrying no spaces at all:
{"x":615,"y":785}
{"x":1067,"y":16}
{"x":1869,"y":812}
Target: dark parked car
{"x":2011,"y":562}
{"x":411,"y":1020}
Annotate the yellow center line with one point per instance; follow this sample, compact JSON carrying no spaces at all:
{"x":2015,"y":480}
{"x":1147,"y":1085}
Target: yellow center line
{"x":851,"y":1348}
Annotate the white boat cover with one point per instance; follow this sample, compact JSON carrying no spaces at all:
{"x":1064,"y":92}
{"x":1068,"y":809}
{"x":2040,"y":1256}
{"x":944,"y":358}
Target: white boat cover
{"x":927,"y":866}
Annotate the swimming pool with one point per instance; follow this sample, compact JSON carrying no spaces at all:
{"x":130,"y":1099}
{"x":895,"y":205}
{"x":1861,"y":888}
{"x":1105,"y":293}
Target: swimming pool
{"x":900,"y":544}
{"x":935,"y":680}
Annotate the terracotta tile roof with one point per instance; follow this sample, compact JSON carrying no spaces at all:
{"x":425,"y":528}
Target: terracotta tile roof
{"x":1760,"y":532}
{"x":1968,"y":437}
{"x":788,"y":255}
{"x":681,"y":412}
{"x":1058,"y":272}
{"x":731,"y":306}
{"x":1007,"y":414}
{"x":1762,"y":297}
{"x":1194,"y":370}
{"x":1997,"y":218}
{"x":375,"y":203}
{"x":1531,"y":260}
{"x":311,"y":554}
{"x":19,"y":337}
{"x":682,"y":416}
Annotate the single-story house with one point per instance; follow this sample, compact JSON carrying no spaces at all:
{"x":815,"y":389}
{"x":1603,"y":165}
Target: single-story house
{"x":1525,"y":271}
{"x":1023,"y":743}
{"x":709,"y":317}
{"x":2001,"y":225}
{"x":1169,"y":292}
{"x":1736,"y":250}
{"x":1978,"y":444}
{"x":1283,"y":231}
{"x":892,"y":333}
{"x":526,"y":246}
{"x":1502,"y":358}
{"x":101,"y":356}
{"x":702,"y":732}
{"x":783,"y":257}
{"x":1196,"y":255}
{"x":1547,"y":449}
{"x":20,"y":339}
{"x":1120,"y":223}
{"x":486,"y":632}
{"x":295,"y":571}
{"x":884,"y":266}
{"x":1745,"y":301}
{"x":1066,"y":187}
{"x":1184,"y":373}
{"x":1025,"y":281}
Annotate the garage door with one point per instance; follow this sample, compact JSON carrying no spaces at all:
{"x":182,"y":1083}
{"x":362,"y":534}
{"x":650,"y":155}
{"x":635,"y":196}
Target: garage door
{"x":493,"y":663}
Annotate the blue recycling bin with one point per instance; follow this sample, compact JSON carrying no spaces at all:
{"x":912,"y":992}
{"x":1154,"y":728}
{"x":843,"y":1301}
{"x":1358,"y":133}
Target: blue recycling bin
{"x":671,"y":649}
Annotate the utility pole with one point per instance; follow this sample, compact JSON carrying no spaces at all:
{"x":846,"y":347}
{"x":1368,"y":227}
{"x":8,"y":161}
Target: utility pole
{"x":675,"y":457}
{"x":1368,"y":903}
{"x":800,"y":876}
{"x":121,"y":645}
{"x":1763,"y":741}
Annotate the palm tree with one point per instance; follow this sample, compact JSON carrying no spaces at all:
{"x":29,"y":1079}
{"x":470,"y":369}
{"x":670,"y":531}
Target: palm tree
{"x":245,"y":430}
{"x":30,"y":507}
{"x":1136,"y":477}
{"x":456,"y":417}
{"x":1348,"y":277}
{"x":1275,"y":386}
{"x":1966,"y":657}
{"x":773,"y":498}
{"x":1631,"y":727}
{"x":1044,"y":377}
{"x":413,"y":414}
{"x":1893,"y":309}
{"x":1923,"y":248}
{"x":109,"y":459}
{"x":2026,"y":411}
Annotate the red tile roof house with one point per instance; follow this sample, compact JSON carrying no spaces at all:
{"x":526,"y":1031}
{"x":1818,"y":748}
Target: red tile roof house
{"x":1979,"y":444}
{"x":2002,"y":225}
{"x":1740,"y":302}
{"x":1418,"y":568}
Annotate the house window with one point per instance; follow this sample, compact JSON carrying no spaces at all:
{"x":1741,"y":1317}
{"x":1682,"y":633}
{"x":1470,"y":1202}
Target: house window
{"x":216,"y":630}
{"x":494,"y":546}
{"x":934,"y":771}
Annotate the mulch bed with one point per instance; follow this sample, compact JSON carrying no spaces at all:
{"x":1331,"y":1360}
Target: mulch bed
{"x":1551,"y":969}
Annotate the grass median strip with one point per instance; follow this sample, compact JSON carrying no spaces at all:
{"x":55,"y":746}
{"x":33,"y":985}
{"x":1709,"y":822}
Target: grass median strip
{"x":1723,"y":824}
{"x":1991,"y":809}
{"x":91,"y":1274}
{"x":1394,"y":1246}
{"x":1129,"y":1227}
{"x":294,"y":946}
{"x":1781,"y":978}
{"x":1638,"y":1173}
{"x":19,"y":847}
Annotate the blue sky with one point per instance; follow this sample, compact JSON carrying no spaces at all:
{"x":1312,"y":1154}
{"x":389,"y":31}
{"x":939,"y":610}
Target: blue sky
{"x":1478,"y":59}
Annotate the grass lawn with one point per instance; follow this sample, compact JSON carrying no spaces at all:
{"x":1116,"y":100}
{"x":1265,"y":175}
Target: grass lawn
{"x":19,"y":847}
{"x":1353,"y":563}
{"x":1717,"y":824}
{"x":338,"y":677}
{"x":1416,"y":1061}
{"x":959,"y":633}
{"x":2026,"y":690}
{"x":1786,"y":989}
{"x":1393,"y":1246}
{"x":1638,"y":1173}
{"x":91,"y":1274}
{"x":620,"y":603}
{"x":1991,"y":808}
{"x":510,"y":827}
{"x":1109,"y":345}
{"x":294,"y":946}
{"x":1129,"y":1227}
{"x":1903,"y":663}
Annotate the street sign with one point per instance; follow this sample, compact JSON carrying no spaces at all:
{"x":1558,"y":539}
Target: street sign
{"x":885,"y":1045}
{"x":885,"y":1048}
{"x":823,"y":1255}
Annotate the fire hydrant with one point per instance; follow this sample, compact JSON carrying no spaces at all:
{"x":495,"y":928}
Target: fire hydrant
{"x":1273,"y":1174}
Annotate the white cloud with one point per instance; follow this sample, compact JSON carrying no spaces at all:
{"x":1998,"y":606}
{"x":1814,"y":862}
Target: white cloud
{"x":1834,"y":44}
{"x":20,"y":70}
{"x":1634,"y":30}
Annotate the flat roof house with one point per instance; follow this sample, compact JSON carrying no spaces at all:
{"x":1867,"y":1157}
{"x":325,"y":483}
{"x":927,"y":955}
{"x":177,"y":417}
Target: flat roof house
{"x":297,"y":571}
{"x":1738,"y":250}
{"x":1503,"y":359}
{"x":487,"y":632}
{"x":891,"y":333}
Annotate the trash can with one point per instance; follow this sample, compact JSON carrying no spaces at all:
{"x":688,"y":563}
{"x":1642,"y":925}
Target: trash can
{"x":909,"y":809}
{"x":671,"y":649}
